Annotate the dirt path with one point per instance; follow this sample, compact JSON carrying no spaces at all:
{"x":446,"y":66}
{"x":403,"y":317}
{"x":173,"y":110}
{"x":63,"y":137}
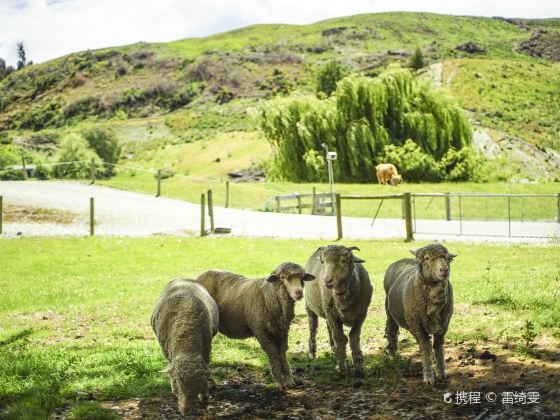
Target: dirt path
{"x":244,"y":395}
{"x":124,"y":213}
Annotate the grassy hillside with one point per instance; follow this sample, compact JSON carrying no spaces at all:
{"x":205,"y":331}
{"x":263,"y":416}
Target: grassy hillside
{"x":160,"y":97}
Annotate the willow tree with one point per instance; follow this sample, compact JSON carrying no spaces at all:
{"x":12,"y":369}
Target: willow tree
{"x":363,"y":116}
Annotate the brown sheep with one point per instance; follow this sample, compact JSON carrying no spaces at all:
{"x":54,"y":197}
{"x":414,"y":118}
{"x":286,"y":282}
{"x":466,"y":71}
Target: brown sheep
{"x":387,"y":173}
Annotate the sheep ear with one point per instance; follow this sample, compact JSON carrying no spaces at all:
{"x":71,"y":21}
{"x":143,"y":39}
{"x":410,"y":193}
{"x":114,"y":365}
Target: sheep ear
{"x":358,"y":260}
{"x":318,"y":252}
{"x":272,"y":278}
{"x":452,"y":256}
{"x":414,"y":252}
{"x":351,"y":248}
{"x":308,"y":277}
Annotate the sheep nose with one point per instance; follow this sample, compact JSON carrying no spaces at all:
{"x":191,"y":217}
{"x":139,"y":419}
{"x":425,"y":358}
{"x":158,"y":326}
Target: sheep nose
{"x":298,"y":293}
{"x":444,"y":271}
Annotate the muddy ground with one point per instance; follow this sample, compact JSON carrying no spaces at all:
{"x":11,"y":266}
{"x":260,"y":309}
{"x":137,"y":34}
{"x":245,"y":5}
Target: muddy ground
{"x":243,"y":396}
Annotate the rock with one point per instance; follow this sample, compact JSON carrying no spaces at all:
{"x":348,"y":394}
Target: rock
{"x":470,"y":48}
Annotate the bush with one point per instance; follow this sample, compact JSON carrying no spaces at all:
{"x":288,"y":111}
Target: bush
{"x":74,"y":148}
{"x":105,"y":143}
{"x":416,"y":61}
{"x":411,"y":162}
{"x":461,"y":165}
{"x":328,"y":75}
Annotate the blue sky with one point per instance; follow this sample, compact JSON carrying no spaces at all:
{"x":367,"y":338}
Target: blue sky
{"x":51,"y":28}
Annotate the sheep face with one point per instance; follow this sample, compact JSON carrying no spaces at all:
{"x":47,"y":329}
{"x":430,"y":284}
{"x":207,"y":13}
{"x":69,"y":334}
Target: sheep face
{"x":189,"y":380}
{"x":434,"y":261}
{"x":292,"y":277}
{"x":338,"y":263}
{"x":396,"y":180}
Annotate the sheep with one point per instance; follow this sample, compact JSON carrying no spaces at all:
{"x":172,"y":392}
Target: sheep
{"x":342,"y":295}
{"x":419,"y":298}
{"x":185,"y":319}
{"x":387,"y":173}
{"x":262,"y":308}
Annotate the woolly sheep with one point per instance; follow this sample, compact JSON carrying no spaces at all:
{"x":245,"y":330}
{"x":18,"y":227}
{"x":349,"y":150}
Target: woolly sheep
{"x":262,"y":308}
{"x":419,"y":298}
{"x":342,"y":295}
{"x":185,"y":319}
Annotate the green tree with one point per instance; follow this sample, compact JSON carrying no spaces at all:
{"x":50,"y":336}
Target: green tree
{"x":328,"y":76}
{"x":22,"y":60}
{"x":416,"y":61}
{"x":106,"y":144}
{"x":74,"y":158}
{"x":363,"y":117}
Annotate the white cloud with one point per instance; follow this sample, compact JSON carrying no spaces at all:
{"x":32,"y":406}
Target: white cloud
{"x":51,"y":28}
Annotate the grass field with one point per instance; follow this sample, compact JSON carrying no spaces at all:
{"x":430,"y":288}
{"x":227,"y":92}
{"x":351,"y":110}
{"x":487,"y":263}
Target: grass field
{"x":74,"y":317}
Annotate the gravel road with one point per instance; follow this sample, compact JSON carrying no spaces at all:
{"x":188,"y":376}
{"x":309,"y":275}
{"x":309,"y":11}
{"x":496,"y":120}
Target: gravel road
{"x":124,"y":213}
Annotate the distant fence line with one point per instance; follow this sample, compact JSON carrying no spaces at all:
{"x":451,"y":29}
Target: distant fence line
{"x":413,"y":224}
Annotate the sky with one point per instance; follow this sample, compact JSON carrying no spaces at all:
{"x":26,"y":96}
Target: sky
{"x":52,"y":28}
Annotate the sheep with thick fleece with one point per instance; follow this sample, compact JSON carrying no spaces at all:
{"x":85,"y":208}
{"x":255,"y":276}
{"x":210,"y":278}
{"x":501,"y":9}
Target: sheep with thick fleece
{"x":341,"y":295}
{"x":185,"y":319}
{"x":419,"y":298}
{"x":262,"y":308}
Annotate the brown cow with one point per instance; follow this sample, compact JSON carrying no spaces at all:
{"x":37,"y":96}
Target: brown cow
{"x":387,"y":173}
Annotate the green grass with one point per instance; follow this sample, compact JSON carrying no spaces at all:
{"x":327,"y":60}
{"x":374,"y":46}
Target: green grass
{"x":74,"y":313}
{"x":518,"y":97}
{"x":260,"y":196}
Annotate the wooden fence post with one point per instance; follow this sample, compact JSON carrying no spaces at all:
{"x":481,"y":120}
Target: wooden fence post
{"x":277,"y":204}
{"x":23,"y":169}
{"x":227,"y":194}
{"x":338,"y":217}
{"x":202,"y":215}
{"x":1,"y":211}
{"x":408,"y":216}
{"x":314,"y":201}
{"x":447,"y":206}
{"x":299,"y":203}
{"x":92,"y":172}
{"x":159,"y":183}
{"x":91,"y":217}
{"x":211,"y":210}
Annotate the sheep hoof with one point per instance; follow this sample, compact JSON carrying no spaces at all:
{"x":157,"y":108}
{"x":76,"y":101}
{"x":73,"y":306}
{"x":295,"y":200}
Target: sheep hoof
{"x":429,"y":379}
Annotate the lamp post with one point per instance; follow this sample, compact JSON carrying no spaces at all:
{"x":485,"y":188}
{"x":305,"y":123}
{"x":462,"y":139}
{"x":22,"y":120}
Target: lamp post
{"x":330,"y":157}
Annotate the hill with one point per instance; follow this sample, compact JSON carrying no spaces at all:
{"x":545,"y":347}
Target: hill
{"x":170,"y":94}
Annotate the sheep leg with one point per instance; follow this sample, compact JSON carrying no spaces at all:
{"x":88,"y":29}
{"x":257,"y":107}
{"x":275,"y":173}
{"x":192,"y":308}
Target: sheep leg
{"x":440,"y":361}
{"x":391,"y":332}
{"x":340,"y":341}
{"x":357,"y":355}
{"x":425,"y":343}
{"x":288,"y":379}
{"x":331,"y":341}
{"x":273,"y":353}
{"x":313,"y":322}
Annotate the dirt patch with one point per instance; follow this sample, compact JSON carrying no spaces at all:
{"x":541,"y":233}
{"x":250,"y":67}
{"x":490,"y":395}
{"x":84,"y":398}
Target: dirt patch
{"x":247,"y":175}
{"x":243,"y":396}
{"x":23,"y":214}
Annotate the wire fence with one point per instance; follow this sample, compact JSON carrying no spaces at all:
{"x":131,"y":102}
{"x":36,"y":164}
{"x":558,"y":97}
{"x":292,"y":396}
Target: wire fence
{"x":483,"y":214}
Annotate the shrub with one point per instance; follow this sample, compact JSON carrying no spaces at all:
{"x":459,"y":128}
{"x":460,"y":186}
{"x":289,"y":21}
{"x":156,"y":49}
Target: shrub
{"x":412,"y":163}
{"x":328,"y":76}
{"x":75,"y":149}
{"x":461,"y":165}
{"x":416,"y":61}
{"x":106,"y":144}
